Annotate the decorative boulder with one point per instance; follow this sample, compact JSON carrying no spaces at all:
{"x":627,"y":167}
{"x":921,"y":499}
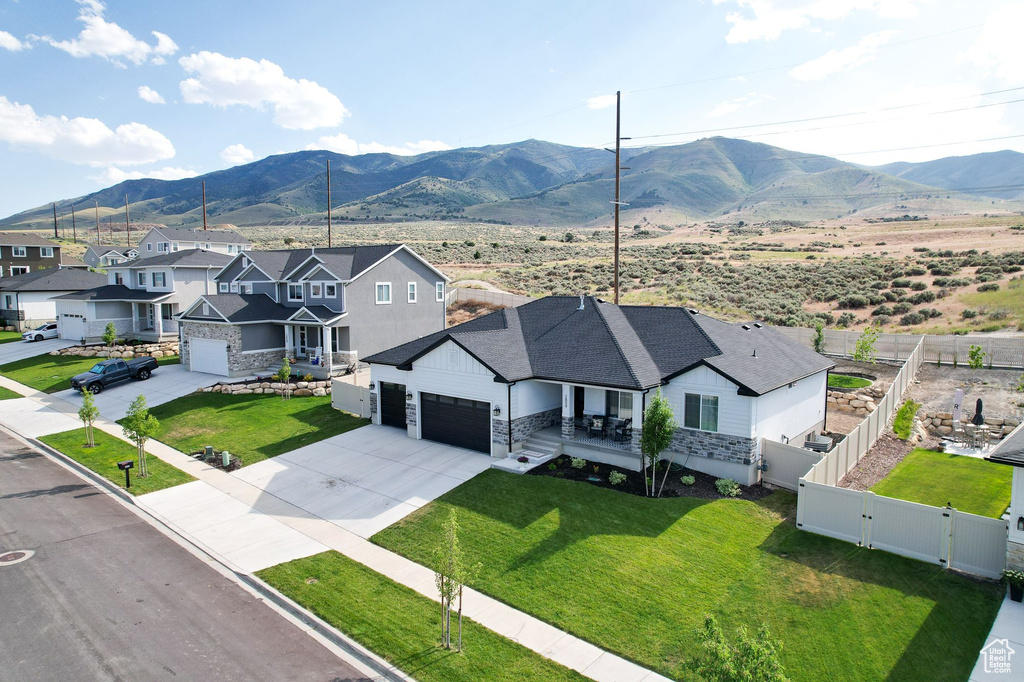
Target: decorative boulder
{"x":302,"y":393}
{"x":319,"y":392}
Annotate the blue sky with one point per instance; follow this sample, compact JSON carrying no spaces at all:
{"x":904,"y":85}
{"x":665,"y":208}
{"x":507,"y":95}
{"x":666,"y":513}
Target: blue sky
{"x":92,"y":93}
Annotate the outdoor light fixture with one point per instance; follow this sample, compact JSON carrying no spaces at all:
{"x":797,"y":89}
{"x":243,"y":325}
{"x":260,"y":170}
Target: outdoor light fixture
{"x":372,"y":385}
{"x":408,"y":395}
{"x":497,"y":411}
{"x":1020,"y":523}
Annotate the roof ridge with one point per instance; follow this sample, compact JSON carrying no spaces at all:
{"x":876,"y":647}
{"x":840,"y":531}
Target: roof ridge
{"x":615,"y":339}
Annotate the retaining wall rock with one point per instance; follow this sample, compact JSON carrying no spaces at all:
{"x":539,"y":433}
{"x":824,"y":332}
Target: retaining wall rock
{"x":299,"y":389}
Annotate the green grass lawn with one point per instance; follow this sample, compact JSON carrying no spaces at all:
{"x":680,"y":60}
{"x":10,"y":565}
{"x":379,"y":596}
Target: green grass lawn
{"x":7,"y":394}
{"x":8,"y":337}
{"x":254,"y":427}
{"x":52,"y":373}
{"x":844,"y":381}
{"x":636,"y":576}
{"x":108,"y":452}
{"x":403,"y":626}
{"x":935,"y":478}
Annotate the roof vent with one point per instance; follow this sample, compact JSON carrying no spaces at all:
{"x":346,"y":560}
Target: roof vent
{"x":693,"y":311}
{"x":758,"y":325}
{"x":581,"y":302}
{"x":755,"y":353}
{"x":745,"y":327}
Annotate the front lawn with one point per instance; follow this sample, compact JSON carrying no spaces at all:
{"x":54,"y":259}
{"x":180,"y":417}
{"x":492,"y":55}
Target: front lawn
{"x":402,"y":626}
{"x":108,"y":452}
{"x":845,"y":381}
{"x":9,"y":337}
{"x":254,"y":427}
{"x":52,"y":373}
{"x":969,"y":484}
{"x":7,"y":394}
{"x":636,"y":576}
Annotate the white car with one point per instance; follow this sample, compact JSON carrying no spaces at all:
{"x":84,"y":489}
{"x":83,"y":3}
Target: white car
{"x":43,"y":331}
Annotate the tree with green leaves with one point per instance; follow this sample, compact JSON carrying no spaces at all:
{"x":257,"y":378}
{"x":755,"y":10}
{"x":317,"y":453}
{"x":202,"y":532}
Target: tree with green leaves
{"x":864,"y":350}
{"x":750,"y":659}
{"x":450,"y":577}
{"x":284,"y":376}
{"x":139,"y":426}
{"x":110,"y":335}
{"x":656,"y":435}
{"x":818,"y":340}
{"x":88,"y":413}
{"x":976,"y":357}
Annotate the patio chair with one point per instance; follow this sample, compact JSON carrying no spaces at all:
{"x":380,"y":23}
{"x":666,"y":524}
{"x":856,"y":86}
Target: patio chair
{"x":959,"y":436}
{"x":624,"y":431}
{"x":970,"y":435}
{"x":995,"y":435}
{"x":596,"y":426}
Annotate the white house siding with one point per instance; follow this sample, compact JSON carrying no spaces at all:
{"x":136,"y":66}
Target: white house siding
{"x":734,"y":411}
{"x":97,"y":315}
{"x":531,"y":397}
{"x":791,"y":411}
{"x":38,"y":306}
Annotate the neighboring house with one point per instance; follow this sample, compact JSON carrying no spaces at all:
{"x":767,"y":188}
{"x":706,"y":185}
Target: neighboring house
{"x":324,"y":308}
{"x":27,"y":301}
{"x":101,"y":256}
{"x":1010,"y":451}
{"x":21,"y":253}
{"x":160,"y":241}
{"x":141,"y":297}
{"x":554,"y":364}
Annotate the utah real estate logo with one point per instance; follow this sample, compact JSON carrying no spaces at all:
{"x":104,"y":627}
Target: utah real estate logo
{"x":996,"y":655}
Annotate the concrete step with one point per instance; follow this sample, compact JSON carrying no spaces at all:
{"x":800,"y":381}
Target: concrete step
{"x":544,"y":447}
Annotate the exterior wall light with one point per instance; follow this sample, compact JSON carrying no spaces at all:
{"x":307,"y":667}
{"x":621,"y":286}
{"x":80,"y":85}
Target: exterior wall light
{"x":497,"y":410}
{"x":372,"y":386}
{"x":1020,"y":523}
{"x":408,"y":395}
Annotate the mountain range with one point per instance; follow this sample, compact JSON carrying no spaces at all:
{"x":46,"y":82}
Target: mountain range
{"x":542,"y":183}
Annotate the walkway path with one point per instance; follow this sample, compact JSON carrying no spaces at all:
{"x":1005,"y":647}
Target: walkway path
{"x":1007,"y":631}
{"x":218,"y":490}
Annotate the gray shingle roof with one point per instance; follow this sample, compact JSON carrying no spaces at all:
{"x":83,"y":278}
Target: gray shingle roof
{"x":633,"y":347}
{"x":344,"y":261}
{"x":247,"y":308}
{"x":186,"y":258}
{"x":1010,"y":450}
{"x":23,"y":239}
{"x":53,"y":279}
{"x":198,"y":235}
{"x":114,"y":292}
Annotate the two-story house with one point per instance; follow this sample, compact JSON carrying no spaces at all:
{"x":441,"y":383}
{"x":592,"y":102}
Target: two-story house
{"x":27,"y":300}
{"x":323,"y":308}
{"x":161,"y":240}
{"x":141,"y":297}
{"x":100,"y":256}
{"x":21,"y":253}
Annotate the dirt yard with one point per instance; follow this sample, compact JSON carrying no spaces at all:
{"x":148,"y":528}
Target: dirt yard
{"x":881,"y":376}
{"x":995,"y":387}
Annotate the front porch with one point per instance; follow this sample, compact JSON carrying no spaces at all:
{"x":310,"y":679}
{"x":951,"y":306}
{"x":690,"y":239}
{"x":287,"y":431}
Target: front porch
{"x":154,"y":321}
{"x":319,"y":350}
{"x":590,"y":448}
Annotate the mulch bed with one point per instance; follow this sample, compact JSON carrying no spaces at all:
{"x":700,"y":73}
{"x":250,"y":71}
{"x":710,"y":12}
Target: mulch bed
{"x":703,"y":486}
{"x":215,"y":460}
{"x":884,"y":455}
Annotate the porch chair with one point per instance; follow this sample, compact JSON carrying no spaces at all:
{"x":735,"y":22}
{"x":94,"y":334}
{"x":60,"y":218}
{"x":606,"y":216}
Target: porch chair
{"x":596,"y":425}
{"x":624,"y":430}
{"x":970,"y":435}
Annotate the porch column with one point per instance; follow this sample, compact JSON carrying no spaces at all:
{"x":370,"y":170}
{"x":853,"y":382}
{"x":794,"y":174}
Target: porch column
{"x":158,"y":319}
{"x":328,"y":357}
{"x":135,"y":318}
{"x":568,"y":405}
{"x":287,"y":339}
{"x":638,"y":420}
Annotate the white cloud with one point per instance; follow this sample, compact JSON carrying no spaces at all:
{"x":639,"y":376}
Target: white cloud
{"x":744,"y":102}
{"x":999,"y":49}
{"x":343,"y":144}
{"x":9,"y":42}
{"x":845,"y":59}
{"x":223,"y":81}
{"x":80,"y":140}
{"x":601,"y":102}
{"x":114,"y":175}
{"x":150,"y":95}
{"x":102,"y":38}
{"x":236,"y":154}
{"x":768,"y":19}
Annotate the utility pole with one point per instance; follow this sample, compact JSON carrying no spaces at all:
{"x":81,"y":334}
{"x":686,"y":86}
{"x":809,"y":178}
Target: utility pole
{"x":328,"y":203}
{"x":55,"y":236}
{"x":127,"y":224}
{"x":74,"y":230}
{"x":618,"y":173}
{"x":99,"y":238}
{"x":204,"y":205}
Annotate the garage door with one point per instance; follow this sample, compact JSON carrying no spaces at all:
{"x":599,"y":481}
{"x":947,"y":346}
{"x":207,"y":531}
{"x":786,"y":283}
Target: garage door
{"x":71,"y":327}
{"x":456,"y":421}
{"x":392,"y":404}
{"x":208,"y":355}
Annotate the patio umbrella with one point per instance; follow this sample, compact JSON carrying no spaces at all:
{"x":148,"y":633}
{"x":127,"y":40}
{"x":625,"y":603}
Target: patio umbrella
{"x":977,"y":419}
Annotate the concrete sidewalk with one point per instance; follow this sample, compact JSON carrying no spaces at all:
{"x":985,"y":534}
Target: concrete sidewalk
{"x":238,"y":538}
{"x":1003,"y":655}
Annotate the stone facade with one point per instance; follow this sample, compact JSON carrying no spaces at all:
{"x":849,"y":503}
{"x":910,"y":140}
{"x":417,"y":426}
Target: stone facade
{"x":499,"y":431}
{"x":298,"y":389}
{"x":568,"y":427}
{"x":238,"y":362}
{"x":410,"y":414}
{"x":373,"y":407}
{"x":712,"y":445}
{"x":1014,"y":556}
{"x":524,"y":427}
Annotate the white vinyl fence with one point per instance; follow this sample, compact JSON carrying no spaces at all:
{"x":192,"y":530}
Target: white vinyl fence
{"x":786,"y":464}
{"x":938,"y":535}
{"x":350,"y":398}
{"x":496,"y":297}
{"x":1003,"y":352}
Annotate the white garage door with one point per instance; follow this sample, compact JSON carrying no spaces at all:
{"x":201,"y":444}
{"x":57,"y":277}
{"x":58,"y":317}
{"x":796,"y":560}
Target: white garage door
{"x":208,"y":355}
{"x":71,"y":327}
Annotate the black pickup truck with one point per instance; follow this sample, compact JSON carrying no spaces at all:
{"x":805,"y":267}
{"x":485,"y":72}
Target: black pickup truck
{"x":112,"y":371}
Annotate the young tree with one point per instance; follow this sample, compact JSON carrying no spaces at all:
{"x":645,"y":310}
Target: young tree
{"x":451,"y":577}
{"x":139,"y":426}
{"x":656,"y":434}
{"x":818,"y":340}
{"x":864,"y":350}
{"x":110,"y":335}
{"x":284,"y":375}
{"x":751,"y":659}
{"x":88,"y":413}
{"x":976,"y":357}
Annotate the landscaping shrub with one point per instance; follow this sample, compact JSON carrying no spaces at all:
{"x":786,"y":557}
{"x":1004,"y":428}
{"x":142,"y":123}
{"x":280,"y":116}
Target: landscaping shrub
{"x":690,"y":480}
{"x":578,"y":462}
{"x":727,"y":487}
{"x":901,"y":308}
{"x":903,"y":423}
{"x":968,"y":313}
{"x":616,"y":477}
{"x":912,"y":319}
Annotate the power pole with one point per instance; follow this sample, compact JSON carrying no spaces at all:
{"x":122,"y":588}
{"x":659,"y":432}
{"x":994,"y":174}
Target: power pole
{"x":618,"y":173}
{"x":55,"y":235}
{"x":204,"y":205}
{"x":127,"y":224}
{"x":74,"y":231}
{"x":328,"y":203}
{"x":99,"y":238}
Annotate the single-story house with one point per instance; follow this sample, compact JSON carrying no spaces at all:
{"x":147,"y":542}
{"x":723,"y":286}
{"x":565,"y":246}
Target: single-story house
{"x":583,"y":370}
{"x":1010,"y":451}
{"x":27,"y":301}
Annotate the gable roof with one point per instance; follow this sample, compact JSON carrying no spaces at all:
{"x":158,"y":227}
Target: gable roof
{"x":243,"y":308}
{"x":183,"y":234}
{"x":185,"y":258}
{"x":24,"y":239}
{"x":115,"y":292}
{"x":1010,"y":450}
{"x":53,"y":279}
{"x":100,"y":250}
{"x":630,"y":347}
{"x":344,"y":262}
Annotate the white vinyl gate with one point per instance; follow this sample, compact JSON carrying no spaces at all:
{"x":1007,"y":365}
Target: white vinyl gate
{"x":350,"y":398}
{"x":208,"y":355}
{"x":940,"y":535}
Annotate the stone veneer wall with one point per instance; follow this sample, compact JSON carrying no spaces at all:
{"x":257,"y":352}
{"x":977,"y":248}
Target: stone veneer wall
{"x":524,"y":427}
{"x":568,"y":427}
{"x":410,"y":413}
{"x":373,"y":407}
{"x":499,"y":431}
{"x":238,"y":362}
{"x":1014,"y":556}
{"x":713,"y":445}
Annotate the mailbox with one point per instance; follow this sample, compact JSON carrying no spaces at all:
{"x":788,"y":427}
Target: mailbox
{"x":126,"y":465}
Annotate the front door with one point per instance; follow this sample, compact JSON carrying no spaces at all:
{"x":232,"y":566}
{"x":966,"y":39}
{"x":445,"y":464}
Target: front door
{"x":300,"y":351}
{"x":149,"y":312}
{"x":578,"y":394}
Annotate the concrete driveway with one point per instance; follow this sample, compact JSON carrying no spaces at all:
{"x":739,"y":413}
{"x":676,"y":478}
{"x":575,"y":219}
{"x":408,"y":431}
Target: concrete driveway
{"x":166,"y":384}
{"x":367,"y":479}
{"x":19,"y":350}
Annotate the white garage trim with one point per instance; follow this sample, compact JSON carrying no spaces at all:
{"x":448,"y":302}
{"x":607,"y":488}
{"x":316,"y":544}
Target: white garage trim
{"x":208,"y":355}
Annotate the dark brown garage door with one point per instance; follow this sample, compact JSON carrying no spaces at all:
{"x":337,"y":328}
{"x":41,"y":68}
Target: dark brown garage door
{"x":456,"y":421}
{"x":392,"y":404}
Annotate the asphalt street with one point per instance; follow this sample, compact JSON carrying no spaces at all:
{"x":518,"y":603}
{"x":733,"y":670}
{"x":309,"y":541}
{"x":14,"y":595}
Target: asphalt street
{"x":106,"y":596}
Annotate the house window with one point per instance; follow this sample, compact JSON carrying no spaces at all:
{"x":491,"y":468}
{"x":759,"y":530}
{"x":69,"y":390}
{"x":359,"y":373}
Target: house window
{"x":195,"y":245}
{"x":439,"y":291}
{"x":294,"y":292}
{"x":163,"y":247}
{"x":149,"y":246}
{"x":412,"y":292}
{"x":118,"y":278}
{"x":701,"y":412}
{"x":174,"y":246}
{"x":19,"y":251}
{"x":619,"y":404}
{"x":223,"y":287}
{"x":141,"y":278}
{"x":19,"y":269}
{"x":383,"y":293}
{"x":330,"y":291}
{"x":207,"y":246}
{"x":234,"y":287}
{"x":231,"y":249}
{"x":46,"y":252}
{"x":316,"y":290}
{"x":9,"y":301}
{"x":246,"y":288}
{"x":159,"y":279}
{"x":334,"y":339}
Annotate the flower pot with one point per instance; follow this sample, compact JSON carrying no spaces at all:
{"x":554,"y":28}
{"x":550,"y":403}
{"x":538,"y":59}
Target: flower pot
{"x":1016,"y":592}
